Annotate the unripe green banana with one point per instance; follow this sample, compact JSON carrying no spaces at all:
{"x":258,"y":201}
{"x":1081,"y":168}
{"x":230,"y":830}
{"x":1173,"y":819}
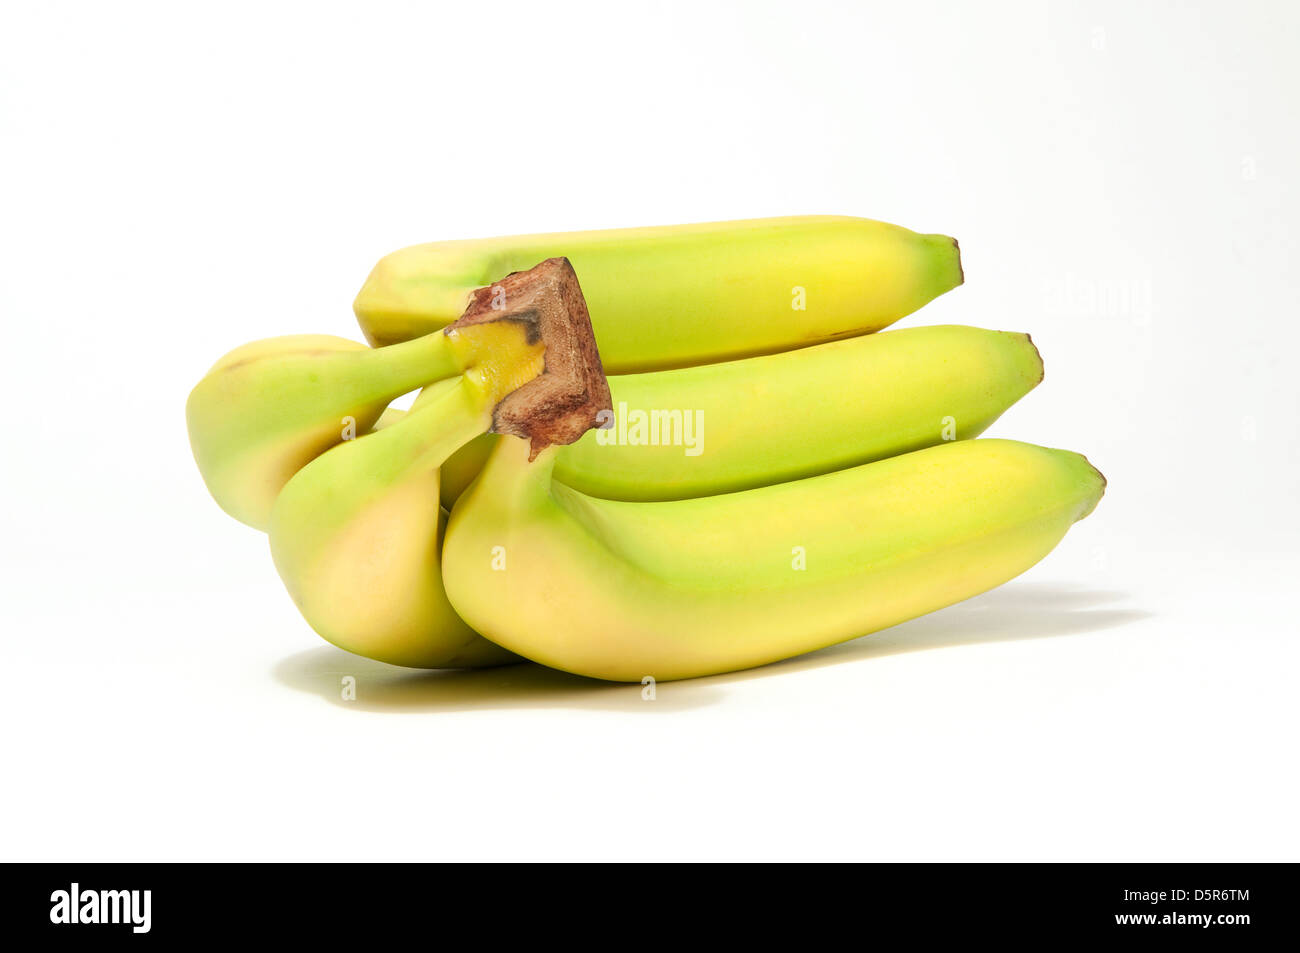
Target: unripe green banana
{"x":626,"y":591}
{"x":718,"y":428}
{"x":675,"y":296}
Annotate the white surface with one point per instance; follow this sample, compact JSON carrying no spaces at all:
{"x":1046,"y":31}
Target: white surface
{"x":174,"y":183}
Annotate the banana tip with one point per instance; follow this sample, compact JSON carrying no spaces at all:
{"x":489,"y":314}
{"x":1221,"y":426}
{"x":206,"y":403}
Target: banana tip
{"x":1100,"y":476}
{"x":1101,"y":490}
{"x":1042,"y":368}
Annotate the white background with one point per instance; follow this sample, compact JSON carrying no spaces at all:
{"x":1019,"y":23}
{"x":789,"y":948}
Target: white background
{"x":175,"y":181}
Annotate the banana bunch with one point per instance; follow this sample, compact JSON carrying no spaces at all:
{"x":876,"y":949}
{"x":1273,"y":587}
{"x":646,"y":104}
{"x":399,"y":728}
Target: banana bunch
{"x":759,"y":476}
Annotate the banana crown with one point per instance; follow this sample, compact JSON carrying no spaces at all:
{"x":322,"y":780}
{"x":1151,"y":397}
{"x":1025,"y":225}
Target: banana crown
{"x":563,"y":402}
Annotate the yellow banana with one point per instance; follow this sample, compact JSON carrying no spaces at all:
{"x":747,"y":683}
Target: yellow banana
{"x":628,"y":591}
{"x":674,"y":296}
{"x":717,"y":428}
{"x":356,"y":537}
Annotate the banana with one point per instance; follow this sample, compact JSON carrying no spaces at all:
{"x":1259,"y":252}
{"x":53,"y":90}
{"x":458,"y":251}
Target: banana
{"x":355,"y":533}
{"x":667,"y":590}
{"x":675,"y":296}
{"x":718,"y":428}
{"x":356,"y":537}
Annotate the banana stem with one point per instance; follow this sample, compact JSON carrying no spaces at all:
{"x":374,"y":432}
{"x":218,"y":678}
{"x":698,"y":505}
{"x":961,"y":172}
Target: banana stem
{"x":510,"y":475}
{"x":444,"y":418}
{"x":404,"y":367}
{"x":501,"y":355}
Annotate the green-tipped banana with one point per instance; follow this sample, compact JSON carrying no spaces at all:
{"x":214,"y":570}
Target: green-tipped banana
{"x":717,"y":428}
{"x":623,"y":590}
{"x":675,"y":296}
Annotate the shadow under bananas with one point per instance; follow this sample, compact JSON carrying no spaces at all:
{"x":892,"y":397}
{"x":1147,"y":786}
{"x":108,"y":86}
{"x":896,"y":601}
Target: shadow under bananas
{"x":383,"y":687}
{"x":1009,"y":613}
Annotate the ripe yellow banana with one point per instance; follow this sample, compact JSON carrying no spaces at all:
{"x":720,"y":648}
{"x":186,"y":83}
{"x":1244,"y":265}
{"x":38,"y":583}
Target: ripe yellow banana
{"x":355,"y":534}
{"x":267,"y":408}
{"x":681,"y":295}
{"x":627,"y":590}
{"x":718,"y":428}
